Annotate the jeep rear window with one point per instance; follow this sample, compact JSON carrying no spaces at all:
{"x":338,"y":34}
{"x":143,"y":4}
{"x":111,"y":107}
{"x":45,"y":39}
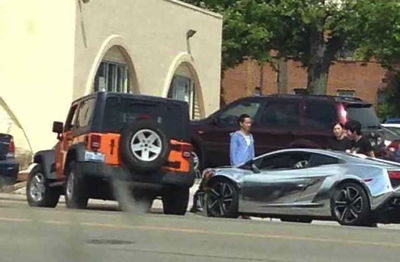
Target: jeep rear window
{"x":121,"y":112}
{"x":365,"y":114}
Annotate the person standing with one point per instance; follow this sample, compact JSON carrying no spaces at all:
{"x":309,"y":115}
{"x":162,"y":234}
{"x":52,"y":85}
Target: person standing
{"x":361,"y":145}
{"x":242,"y":142}
{"x":339,"y":141}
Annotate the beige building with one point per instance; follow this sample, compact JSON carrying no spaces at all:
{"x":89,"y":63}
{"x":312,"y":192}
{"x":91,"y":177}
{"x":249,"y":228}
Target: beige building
{"x":53,"y":51}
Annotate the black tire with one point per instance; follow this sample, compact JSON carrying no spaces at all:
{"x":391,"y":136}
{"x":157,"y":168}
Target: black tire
{"x":222,"y":199}
{"x":350,"y":205}
{"x":76,"y":195}
{"x":297,"y":219}
{"x":38,"y":192}
{"x":175,"y":201}
{"x":135,"y":160}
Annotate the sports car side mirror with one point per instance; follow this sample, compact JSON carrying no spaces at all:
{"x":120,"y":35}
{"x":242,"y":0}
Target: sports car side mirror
{"x":255,"y":169}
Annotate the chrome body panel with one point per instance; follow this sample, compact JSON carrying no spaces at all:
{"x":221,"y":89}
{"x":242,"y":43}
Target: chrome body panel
{"x":307,"y":191}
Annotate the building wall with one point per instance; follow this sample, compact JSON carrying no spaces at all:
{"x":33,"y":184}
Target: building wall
{"x":364,"y":78}
{"x":36,"y":65}
{"x":153,"y":34}
{"x":50,"y":51}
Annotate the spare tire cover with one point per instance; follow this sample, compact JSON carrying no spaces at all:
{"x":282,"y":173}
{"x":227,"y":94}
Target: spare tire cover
{"x":144,"y":146}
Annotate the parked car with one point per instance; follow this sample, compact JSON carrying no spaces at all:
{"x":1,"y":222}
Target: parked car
{"x":9,"y":166}
{"x":113,"y":146}
{"x":282,"y":121}
{"x":304,"y":184}
{"x":394,"y":120}
{"x":392,"y":151}
{"x":393,"y":127}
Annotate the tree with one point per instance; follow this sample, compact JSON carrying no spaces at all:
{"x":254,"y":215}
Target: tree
{"x":310,"y":31}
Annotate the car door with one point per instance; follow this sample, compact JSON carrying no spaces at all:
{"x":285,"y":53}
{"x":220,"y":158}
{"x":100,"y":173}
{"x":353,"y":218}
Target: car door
{"x":319,"y":118}
{"x":321,"y":168}
{"x":279,"y":124}
{"x":216,"y":136}
{"x":279,"y":184}
{"x":65,"y":142}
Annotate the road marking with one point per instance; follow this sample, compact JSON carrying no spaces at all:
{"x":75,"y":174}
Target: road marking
{"x":204,"y":232}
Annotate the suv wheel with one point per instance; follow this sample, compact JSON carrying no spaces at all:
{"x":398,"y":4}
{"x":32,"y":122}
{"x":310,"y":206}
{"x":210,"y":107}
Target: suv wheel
{"x":144,"y":146}
{"x":175,"y":201}
{"x":75,"y":189}
{"x":38,"y":192}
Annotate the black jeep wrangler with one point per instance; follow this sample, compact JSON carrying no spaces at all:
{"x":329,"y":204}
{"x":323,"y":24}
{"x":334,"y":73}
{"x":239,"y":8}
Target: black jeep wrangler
{"x":117,"y":146}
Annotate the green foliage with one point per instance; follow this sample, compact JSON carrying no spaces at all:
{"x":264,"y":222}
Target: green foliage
{"x":391,"y":106}
{"x":310,"y":31}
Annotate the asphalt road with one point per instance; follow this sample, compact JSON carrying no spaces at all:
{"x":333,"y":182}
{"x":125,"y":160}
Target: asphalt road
{"x":103,"y":233}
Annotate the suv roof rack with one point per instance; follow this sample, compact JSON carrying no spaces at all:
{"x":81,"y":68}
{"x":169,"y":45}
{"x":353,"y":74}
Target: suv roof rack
{"x":335,"y":98}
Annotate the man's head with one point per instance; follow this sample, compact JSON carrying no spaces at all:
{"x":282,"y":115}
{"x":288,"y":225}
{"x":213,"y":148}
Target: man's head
{"x":353,"y":129}
{"x":245,"y":122}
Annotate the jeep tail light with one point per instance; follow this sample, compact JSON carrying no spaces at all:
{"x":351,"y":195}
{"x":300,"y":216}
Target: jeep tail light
{"x":394,"y":174}
{"x":186,"y":151}
{"x":95,"y":142}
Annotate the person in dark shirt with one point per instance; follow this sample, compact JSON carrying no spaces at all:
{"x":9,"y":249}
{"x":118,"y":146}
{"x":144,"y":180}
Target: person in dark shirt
{"x":361,"y":145}
{"x":339,"y":141}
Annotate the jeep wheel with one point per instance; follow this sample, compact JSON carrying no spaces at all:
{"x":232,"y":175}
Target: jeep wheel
{"x":144,"y":146}
{"x":38,"y":192}
{"x":75,"y":189}
{"x":175,"y":201}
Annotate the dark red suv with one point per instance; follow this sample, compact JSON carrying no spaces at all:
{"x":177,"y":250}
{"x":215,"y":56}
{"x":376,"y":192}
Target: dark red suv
{"x":281,"y":121}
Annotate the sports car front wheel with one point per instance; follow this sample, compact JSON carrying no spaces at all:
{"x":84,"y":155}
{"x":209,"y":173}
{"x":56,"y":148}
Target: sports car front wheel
{"x":222,"y":199}
{"x":350,"y":205}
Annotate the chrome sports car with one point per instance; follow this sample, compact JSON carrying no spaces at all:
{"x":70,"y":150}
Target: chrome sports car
{"x":302,"y":184}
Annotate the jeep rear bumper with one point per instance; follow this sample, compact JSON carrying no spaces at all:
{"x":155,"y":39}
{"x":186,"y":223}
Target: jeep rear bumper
{"x":157,"y":179}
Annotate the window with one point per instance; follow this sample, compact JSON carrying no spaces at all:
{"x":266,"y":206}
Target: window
{"x":112,"y":76}
{"x":71,"y":118}
{"x":320,"y":114}
{"x":365,"y":114}
{"x":182,"y":88}
{"x":231,"y":116}
{"x":292,"y":160}
{"x":85,"y":113}
{"x":122,"y":112}
{"x":281,"y":114}
{"x":321,"y":160}
{"x":346,"y":93}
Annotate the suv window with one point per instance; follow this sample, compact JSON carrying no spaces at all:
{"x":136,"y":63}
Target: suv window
{"x":230,"y":116}
{"x":284,"y":161}
{"x":320,"y":114}
{"x":281,"y":114}
{"x":85,"y":113}
{"x":321,"y":160}
{"x":120,"y":112}
{"x":365,"y":114}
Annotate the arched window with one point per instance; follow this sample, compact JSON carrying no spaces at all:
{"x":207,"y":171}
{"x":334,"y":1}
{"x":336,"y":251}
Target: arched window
{"x":113,"y":72}
{"x":183,"y":87}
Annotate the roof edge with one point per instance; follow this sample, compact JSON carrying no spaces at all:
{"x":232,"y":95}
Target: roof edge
{"x":195,"y":8}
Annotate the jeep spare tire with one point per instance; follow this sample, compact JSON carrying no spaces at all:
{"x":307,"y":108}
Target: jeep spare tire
{"x":144,"y":146}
